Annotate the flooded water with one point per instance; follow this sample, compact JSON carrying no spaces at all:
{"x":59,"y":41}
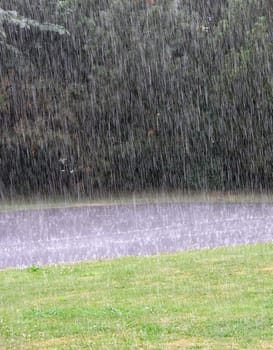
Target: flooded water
{"x":51,"y":236}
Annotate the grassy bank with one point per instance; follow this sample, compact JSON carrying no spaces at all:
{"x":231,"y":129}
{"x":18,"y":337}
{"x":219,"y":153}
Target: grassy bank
{"x":212,"y":299}
{"x":39,"y":202}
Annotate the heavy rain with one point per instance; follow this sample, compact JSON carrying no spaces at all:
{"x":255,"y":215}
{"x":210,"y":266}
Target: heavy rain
{"x":133,"y":128}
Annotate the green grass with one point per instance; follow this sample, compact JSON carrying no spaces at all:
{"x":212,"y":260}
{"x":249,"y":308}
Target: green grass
{"x":212,"y":299}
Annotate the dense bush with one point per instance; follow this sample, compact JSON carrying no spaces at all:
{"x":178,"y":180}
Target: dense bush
{"x":161,"y":93}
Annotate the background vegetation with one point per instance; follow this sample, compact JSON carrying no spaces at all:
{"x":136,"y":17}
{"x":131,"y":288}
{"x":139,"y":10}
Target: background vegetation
{"x":135,"y":95}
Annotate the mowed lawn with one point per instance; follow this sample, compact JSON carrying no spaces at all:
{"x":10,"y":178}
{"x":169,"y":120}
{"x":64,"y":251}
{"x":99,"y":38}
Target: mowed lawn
{"x":211,"y":299}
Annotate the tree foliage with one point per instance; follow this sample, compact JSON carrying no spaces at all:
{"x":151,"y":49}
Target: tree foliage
{"x":167,"y":93}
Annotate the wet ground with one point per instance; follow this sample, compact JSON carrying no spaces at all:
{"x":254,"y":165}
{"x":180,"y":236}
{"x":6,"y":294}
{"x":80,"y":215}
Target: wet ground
{"x":43,"y":237}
